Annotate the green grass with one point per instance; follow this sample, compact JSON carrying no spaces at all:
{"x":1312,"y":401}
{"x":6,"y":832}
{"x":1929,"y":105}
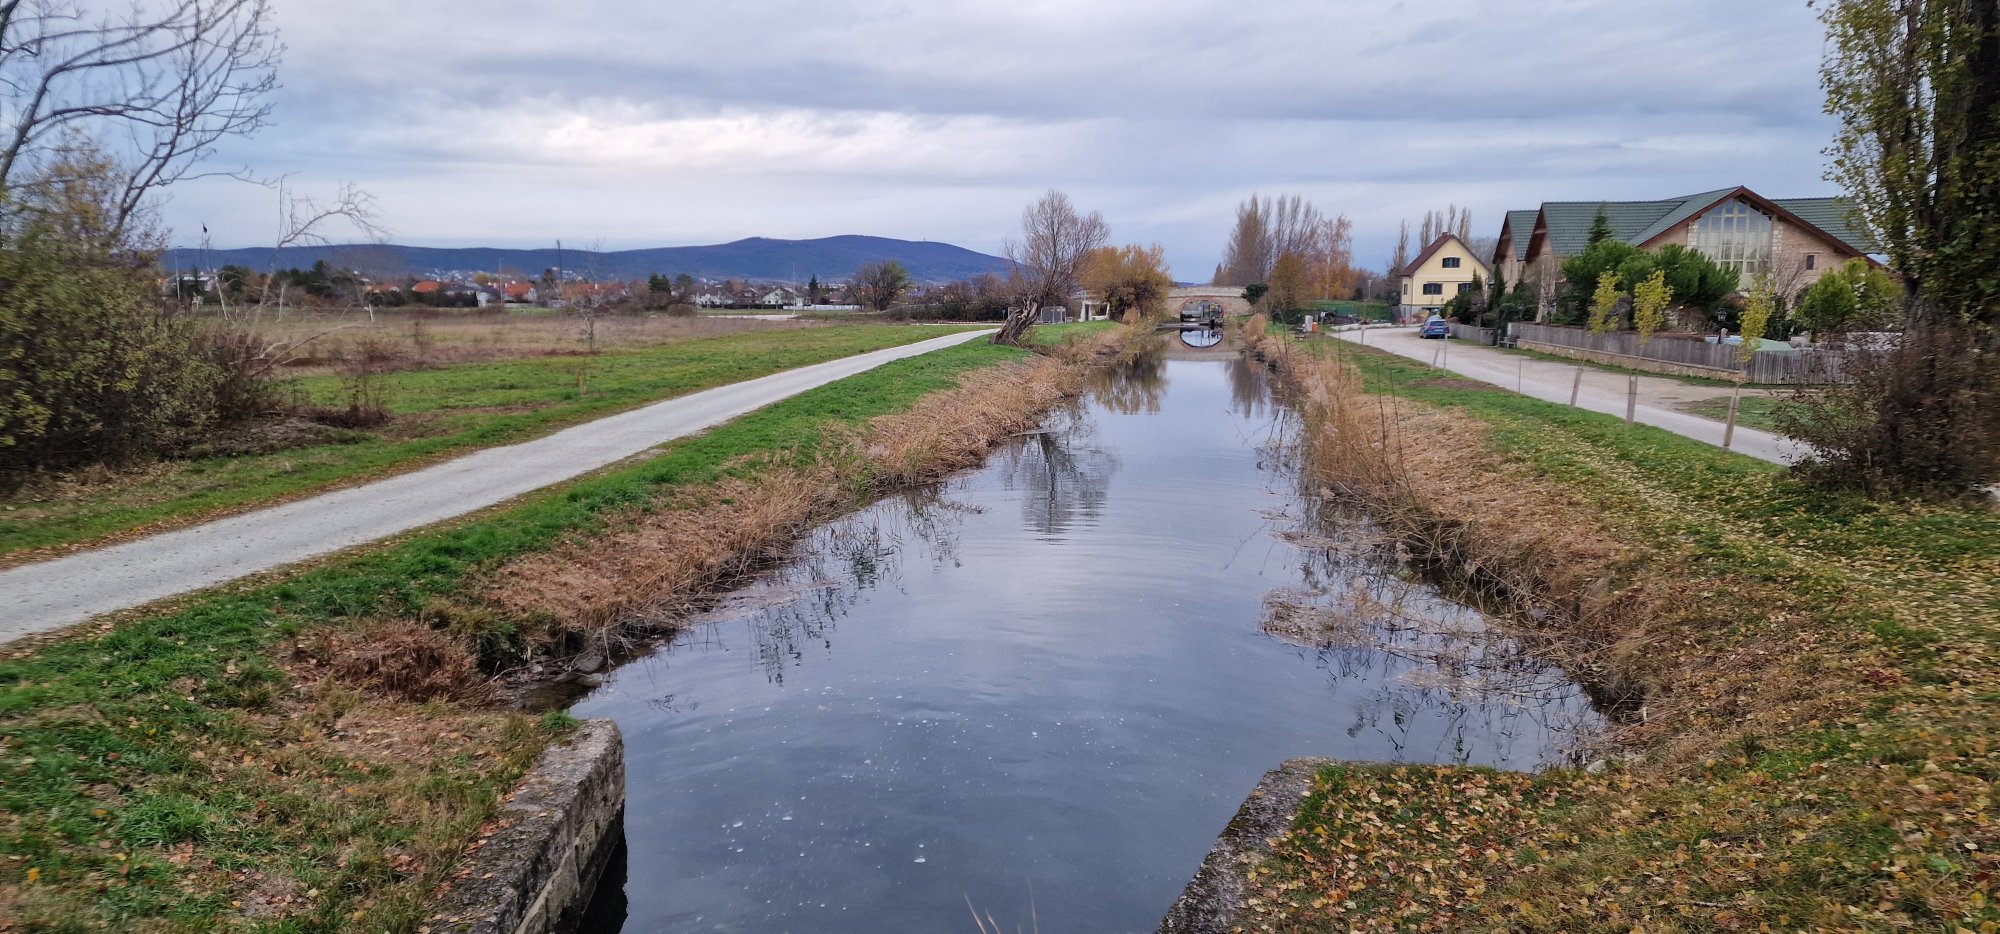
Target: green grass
{"x":1760,"y":412}
{"x":142,"y":768}
{"x":442,"y":412}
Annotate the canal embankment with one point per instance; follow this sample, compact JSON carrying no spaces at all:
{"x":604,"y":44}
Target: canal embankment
{"x":1805,"y":680}
{"x":315,"y":750}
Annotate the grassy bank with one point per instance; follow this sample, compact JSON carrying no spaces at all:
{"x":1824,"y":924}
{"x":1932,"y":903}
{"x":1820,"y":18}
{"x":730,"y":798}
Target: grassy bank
{"x":1760,"y":412}
{"x":1810,"y":683}
{"x":311,"y":753}
{"x":438,"y":412}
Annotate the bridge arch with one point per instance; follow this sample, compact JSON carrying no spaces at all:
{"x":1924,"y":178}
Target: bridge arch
{"x":1230,"y":299}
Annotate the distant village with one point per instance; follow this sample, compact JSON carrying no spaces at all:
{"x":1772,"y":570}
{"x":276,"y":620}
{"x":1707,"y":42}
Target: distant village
{"x":326,"y":285}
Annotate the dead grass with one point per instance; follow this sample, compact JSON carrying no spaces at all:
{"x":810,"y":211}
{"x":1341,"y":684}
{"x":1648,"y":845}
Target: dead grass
{"x":427,"y":338}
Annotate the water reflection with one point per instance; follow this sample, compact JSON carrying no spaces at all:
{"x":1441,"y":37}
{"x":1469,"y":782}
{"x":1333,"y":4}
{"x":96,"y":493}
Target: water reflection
{"x":1063,"y":480}
{"x":1036,"y":679}
{"x":1134,"y":383}
{"x":1249,"y":388}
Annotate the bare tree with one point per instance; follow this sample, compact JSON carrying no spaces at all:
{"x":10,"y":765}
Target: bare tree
{"x":154,"y":88}
{"x":1047,"y":259}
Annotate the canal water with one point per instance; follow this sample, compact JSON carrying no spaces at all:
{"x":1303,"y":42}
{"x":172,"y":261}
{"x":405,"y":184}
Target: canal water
{"x":1041,"y":690}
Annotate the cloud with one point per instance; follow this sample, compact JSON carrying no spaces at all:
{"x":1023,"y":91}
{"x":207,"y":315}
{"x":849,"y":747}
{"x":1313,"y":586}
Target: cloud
{"x":505,"y":121}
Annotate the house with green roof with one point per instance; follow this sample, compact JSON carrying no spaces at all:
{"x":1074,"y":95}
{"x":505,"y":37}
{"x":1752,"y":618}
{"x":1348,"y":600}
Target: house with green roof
{"x":1795,"y":240}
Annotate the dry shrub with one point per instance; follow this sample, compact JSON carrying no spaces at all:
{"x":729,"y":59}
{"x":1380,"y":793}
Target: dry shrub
{"x":1253,"y":329}
{"x":402,"y":660}
{"x":1919,"y":417}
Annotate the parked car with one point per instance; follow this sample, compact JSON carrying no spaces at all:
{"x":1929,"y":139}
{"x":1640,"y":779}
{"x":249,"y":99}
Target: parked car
{"x":1435,"y":327}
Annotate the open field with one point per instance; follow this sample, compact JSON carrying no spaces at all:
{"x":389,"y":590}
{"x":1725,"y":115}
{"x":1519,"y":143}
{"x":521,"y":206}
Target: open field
{"x":251,"y":760}
{"x":1808,"y":683}
{"x":426,"y":338}
{"x":438,"y":412}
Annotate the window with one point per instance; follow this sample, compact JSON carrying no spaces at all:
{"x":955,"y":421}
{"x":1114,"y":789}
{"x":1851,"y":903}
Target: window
{"x":1433,"y":288}
{"x":1737,"y":235}
{"x":1812,"y":261}
{"x":1451,"y":262}
{"x":1464,"y":287}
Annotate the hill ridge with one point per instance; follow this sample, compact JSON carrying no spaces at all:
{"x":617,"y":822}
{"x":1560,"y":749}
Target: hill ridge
{"x":764,"y":259}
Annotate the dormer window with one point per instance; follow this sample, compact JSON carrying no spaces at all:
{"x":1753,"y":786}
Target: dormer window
{"x":1451,"y":262}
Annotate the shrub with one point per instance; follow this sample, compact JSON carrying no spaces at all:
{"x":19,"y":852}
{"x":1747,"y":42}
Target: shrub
{"x":1915,"y":417}
{"x":93,"y":367}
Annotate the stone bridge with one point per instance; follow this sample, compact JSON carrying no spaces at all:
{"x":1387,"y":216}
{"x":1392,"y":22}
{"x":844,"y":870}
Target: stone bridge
{"x":1229,"y":297}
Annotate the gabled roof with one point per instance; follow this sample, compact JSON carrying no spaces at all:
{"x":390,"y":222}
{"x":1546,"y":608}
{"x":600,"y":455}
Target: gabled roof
{"x":1640,"y":223}
{"x":1516,"y":230}
{"x":1835,"y":216}
{"x":1433,"y":249}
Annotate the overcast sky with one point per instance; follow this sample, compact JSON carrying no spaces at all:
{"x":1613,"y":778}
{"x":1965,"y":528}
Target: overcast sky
{"x":640,"y":123}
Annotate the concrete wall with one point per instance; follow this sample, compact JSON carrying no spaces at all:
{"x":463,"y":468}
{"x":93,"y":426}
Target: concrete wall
{"x":1212,"y":902}
{"x":537,"y":874}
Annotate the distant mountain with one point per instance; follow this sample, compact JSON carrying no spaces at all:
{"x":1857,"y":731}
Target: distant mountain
{"x":758,"y":258}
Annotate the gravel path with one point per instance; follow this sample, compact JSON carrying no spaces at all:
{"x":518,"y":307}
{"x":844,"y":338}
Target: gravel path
{"x":1603,"y":391}
{"x":68,"y":590}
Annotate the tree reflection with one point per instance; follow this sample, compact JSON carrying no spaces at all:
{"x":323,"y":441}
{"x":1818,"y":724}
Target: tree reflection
{"x":1135,"y":382}
{"x":796,"y":609}
{"x":1424,"y":660}
{"x":1249,"y":387}
{"x":1064,"y":480}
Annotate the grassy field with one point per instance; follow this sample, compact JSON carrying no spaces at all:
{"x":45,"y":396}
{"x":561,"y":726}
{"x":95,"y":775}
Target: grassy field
{"x":196,"y":771}
{"x":1759,"y":412}
{"x":439,"y":412}
{"x":1820,"y":682}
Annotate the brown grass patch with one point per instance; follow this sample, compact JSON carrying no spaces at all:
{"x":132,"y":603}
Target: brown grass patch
{"x":403,"y":660}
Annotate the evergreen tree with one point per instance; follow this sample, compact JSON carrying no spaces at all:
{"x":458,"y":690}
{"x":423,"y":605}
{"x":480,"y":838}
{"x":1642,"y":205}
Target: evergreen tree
{"x":1600,"y":228}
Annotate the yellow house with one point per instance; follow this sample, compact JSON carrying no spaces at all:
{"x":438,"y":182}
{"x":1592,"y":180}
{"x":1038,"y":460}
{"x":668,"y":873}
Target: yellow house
{"x":1440,"y":272}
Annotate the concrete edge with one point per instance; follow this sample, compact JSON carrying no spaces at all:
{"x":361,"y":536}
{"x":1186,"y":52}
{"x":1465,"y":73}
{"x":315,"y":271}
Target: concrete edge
{"x":536,"y":874}
{"x":1212,"y":901}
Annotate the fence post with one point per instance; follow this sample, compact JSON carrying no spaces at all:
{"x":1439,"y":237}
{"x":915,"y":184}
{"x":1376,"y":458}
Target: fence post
{"x":1444,"y":350}
{"x":1520,"y":374}
{"x":1631,"y":399}
{"x":1575,"y":386}
{"x":1729,"y":430}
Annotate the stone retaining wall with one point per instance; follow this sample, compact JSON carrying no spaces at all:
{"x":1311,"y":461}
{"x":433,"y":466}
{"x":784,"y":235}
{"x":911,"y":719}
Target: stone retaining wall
{"x":1212,"y":901}
{"x":536,"y":875}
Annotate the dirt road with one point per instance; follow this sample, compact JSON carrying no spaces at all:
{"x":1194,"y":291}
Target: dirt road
{"x":61,"y":592}
{"x":1602,"y":391}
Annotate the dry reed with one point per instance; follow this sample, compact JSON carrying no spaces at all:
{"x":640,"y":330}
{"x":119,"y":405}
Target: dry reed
{"x":1633,"y":634}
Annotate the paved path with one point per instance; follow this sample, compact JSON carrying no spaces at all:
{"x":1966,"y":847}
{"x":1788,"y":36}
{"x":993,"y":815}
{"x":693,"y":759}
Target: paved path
{"x":1603,"y":391}
{"x":64,"y":591}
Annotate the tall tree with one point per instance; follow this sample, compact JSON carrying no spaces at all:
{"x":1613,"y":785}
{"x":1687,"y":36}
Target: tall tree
{"x":1915,"y":85}
{"x":1047,"y":259}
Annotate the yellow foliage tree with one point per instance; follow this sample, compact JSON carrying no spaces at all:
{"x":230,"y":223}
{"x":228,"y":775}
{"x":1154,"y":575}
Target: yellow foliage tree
{"x":1604,"y":303}
{"x":1758,"y":307}
{"x":1132,"y":279}
{"x":1650,"y":300}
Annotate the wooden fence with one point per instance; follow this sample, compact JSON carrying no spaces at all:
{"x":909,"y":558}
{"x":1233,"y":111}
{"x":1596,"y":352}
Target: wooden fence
{"x":1684,"y":355}
{"x":1466,"y":332}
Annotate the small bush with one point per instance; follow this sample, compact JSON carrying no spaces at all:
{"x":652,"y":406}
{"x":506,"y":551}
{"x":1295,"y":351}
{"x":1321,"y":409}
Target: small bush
{"x":1918,"y":417}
